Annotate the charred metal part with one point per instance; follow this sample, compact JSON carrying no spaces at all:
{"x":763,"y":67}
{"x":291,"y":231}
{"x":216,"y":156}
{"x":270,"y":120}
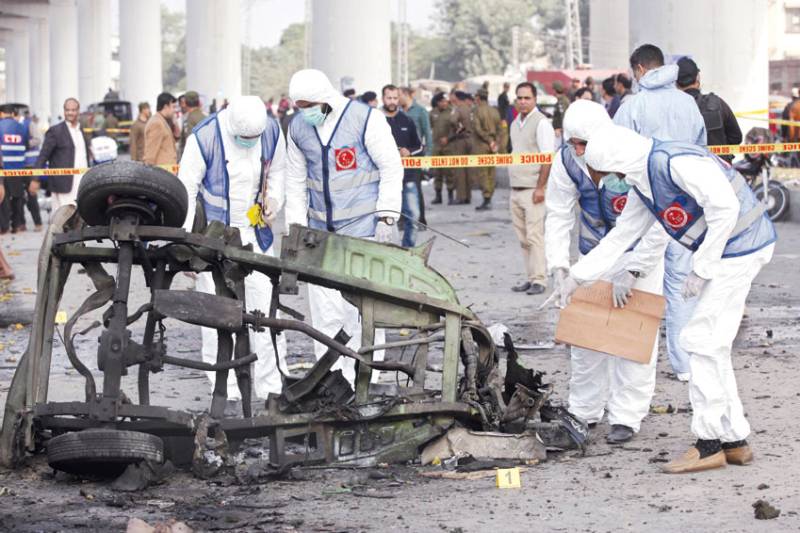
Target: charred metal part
{"x":392,"y":287}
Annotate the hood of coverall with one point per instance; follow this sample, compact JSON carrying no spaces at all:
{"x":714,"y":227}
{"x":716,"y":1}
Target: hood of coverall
{"x":620,"y":150}
{"x":313,"y":85}
{"x":583,"y":118}
{"x":665,"y":76}
{"x":247,"y":116}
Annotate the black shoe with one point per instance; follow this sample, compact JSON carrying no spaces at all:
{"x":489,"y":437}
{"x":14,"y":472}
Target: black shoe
{"x":485,"y":206}
{"x":535,"y":288}
{"x":438,"y":198}
{"x":522,"y":287}
{"x":619,"y":434}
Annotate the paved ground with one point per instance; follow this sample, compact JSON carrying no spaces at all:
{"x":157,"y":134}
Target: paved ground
{"x":610,"y":489}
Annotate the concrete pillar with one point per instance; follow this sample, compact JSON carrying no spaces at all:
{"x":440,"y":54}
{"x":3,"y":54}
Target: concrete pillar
{"x":22,"y":65}
{"x":140,"y":51}
{"x":39,"y":44}
{"x":94,"y":49}
{"x":213,"y":48}
{"x":715,"y":47}
{"x":608,"y":34}
{"x":352,"y":39}
{"x":63,"y":29}
{"x":5,"y":44}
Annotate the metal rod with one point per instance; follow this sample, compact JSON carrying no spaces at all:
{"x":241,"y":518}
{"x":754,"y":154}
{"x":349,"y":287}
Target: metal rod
{"x":399,"y":344}
{"x":208,"y":367}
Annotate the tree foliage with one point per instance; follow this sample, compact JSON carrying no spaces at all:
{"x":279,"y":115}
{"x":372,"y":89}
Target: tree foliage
{"x":173,"y":50}
{"x":272,"y":67}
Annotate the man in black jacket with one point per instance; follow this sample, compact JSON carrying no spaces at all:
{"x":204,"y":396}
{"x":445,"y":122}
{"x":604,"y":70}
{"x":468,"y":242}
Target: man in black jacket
{"x":721,"y":124}
{"x":408,"y":143}
{"x":65,"y":146}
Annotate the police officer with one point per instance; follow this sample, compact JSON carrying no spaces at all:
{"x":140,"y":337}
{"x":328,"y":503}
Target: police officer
{"x":721,"y":124}
{"x":442,"y":129}
{"x":460,"y":143}
{"x":486,"y":130}
{"x":13,"y":145}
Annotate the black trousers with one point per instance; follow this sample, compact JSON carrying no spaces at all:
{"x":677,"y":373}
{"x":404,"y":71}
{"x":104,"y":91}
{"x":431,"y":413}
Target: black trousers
{"x":32,"y":203}
{"x":17,"y":212}
{"x":5,"y":214}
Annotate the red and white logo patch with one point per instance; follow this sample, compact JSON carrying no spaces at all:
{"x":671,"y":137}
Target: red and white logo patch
{"x":11,"y":138}
{"x":618,"y":203}
{"x":675,"y":216}
{"x":345,"y":158}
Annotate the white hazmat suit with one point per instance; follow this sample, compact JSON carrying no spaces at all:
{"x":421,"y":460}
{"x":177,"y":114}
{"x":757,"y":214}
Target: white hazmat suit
{"x":709,"y":335}
{"x":245,"y":116}
{"x":599,"y":381}
{"x":329,"y":311}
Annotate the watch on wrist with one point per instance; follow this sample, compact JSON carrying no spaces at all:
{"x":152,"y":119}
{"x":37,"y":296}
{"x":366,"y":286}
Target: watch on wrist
{"x":389,"y":221}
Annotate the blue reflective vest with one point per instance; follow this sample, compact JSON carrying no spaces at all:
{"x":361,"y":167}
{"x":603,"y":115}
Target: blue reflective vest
{"x":215,"y":185}
{"x":32,"y":153}
{"x":342,"y":178}
{"x":600,"y":207}
{"x":683,"y":218}
{"x":13,"y":143}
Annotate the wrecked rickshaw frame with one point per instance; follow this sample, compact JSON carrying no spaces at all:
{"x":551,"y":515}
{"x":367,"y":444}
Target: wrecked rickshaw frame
{"x":305,"y":257}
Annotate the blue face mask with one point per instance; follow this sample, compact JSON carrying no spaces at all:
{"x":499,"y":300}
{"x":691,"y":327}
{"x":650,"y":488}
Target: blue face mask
{"x":245,"y":142}
{"x":314,"y":115}
{"x":614,"y":183}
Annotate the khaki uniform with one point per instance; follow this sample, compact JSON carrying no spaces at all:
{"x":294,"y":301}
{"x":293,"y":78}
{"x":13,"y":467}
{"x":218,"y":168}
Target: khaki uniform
{"x":461,"y":144}
{"x":137,"y":140}
{"x":485,"y":132}
{"x":192,"y":119}
{"x":442,"y":128}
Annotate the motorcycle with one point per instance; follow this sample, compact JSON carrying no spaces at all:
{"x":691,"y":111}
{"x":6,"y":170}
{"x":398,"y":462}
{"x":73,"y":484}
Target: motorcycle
{"x":755,"y":168}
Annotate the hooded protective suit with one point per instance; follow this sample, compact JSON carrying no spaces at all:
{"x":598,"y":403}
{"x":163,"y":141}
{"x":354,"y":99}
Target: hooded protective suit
{"x":332,"y":195}
{"x":661,"y":111}
{"x":724,"y":206}
{"x":599,"y":381}
{"x":245,"y":116}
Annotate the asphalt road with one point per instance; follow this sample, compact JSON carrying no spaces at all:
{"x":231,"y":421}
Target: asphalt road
{"x":609,"y":489}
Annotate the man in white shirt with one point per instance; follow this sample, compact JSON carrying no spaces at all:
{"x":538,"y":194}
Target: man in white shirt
{"x":65,"y":146}
{"x":531,"y":131}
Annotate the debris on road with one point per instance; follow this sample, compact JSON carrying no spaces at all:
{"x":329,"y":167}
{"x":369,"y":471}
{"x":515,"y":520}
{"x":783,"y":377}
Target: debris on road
{"x":764,"y":511}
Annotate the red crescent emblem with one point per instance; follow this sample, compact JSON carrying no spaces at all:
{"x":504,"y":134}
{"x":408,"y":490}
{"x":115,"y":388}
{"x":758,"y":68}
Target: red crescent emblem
{"x":618,"y":203}
{"x":345,"y":158}
{"x":675,"y":216}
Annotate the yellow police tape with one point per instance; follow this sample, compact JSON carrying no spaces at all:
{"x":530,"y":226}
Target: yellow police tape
{"x":452,"y":161}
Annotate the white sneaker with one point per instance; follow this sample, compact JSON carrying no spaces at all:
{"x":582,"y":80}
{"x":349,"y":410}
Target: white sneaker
{"x":683,"y":376}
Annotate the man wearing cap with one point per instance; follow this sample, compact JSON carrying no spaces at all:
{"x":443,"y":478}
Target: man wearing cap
{"x":460,"y":143}
{"x":486,"y":129}
{"x":192,"y":116}
{"x":721,"y":124}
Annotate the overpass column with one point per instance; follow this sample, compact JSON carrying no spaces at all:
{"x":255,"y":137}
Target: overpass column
{"x":140,"y":51}
{"x":213,"y":48}
{"x":63,"y":55}
{"x":94,"y":49}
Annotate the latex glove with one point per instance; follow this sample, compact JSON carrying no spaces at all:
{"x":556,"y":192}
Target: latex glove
{"x":271,"y":212}
{"x":622,"y":283}
{"x":563,"y":287}
{"x":384,"y":232}
{"x":693,"y":286}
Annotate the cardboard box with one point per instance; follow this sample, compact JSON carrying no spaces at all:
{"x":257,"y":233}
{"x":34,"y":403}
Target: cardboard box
{"x":591,"y":321}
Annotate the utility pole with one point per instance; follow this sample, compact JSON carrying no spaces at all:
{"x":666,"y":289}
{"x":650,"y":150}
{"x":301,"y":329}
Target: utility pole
{"x":248,"y":49}
{"x":402,"y":44}
{"x":307,"y":39}
{"x":515,"y":48}
{"x":574,"y":43}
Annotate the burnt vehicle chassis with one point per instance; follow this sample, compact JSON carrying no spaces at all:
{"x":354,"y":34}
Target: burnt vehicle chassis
{"x":392,"y":287}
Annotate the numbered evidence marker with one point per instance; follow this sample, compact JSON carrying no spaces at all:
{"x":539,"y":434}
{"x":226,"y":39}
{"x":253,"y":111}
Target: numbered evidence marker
{"x":508,"y":478}
{"x":61,"y":317}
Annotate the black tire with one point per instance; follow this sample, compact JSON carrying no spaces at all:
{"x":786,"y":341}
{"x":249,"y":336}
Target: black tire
{"x":778,"y":200}
{"x":102,"y":452}
{"x":131,"y":179}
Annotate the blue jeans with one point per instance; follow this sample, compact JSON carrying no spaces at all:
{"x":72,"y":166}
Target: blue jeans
{"x":677,"y":265}
{"x":410,"y":213}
